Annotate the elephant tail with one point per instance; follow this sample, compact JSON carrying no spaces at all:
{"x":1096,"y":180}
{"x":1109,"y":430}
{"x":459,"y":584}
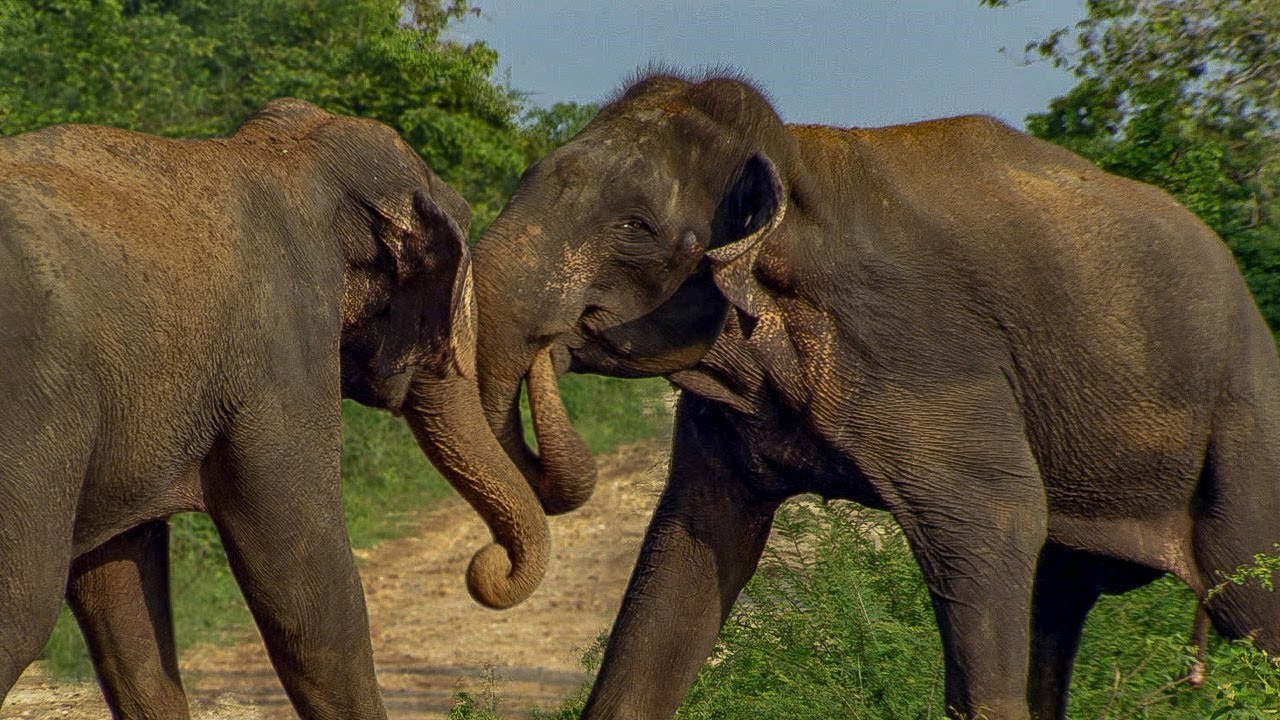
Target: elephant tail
{"x":1200,"y":642}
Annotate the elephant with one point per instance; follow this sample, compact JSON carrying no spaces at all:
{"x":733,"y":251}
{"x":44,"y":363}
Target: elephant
{"x":1053,"y":378}
{"x":179,"y":320}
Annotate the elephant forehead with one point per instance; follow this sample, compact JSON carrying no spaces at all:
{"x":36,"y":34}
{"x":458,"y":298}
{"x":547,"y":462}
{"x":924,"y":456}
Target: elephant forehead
{"x":671,"y":141}
{"x":632,"y":161}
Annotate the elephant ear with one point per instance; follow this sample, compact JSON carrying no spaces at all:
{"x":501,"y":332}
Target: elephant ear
{"x":410,"y":227}
{"x":462,"y":316}
{"x":425,"y":237}
{"x":753,"y":207}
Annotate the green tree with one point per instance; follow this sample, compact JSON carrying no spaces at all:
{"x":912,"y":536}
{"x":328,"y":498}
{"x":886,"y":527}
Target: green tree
{"x":1183,"y":94}
{"x":549,"y":128}
{"x":196,"y":68}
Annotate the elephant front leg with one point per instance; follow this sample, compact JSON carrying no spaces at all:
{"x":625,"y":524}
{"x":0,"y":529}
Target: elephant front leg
{"x":119,"y":593}
{"x":702,"y":545}
{"x":276,"y":501}
{"x":978,"y":554}
{"x":951,"y":462}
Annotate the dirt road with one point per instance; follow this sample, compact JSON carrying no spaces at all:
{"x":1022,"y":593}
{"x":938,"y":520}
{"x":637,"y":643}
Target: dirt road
{"x":430,"y":639}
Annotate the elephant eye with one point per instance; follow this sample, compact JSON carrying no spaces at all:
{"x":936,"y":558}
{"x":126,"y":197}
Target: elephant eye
{"x":637,"y":225}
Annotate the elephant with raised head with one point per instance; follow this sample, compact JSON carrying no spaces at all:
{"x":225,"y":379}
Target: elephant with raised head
{"x":178,"y":323}
{"x":1053,"y":378}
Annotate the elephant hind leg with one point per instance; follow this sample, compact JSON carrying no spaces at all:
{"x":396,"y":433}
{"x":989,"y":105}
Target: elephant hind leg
{"x":1067,"y":585}
{"x":1238,"y":517}
{"x":119,"y":593}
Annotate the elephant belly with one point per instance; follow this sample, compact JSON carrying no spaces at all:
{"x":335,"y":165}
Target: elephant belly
{"x":111,"y":504}
{"x":1161,"y":543}
{"x":1127,"y":500}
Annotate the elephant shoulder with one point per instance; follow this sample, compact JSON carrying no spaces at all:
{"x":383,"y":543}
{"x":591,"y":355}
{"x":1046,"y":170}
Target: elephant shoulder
{"x":40,"y":330}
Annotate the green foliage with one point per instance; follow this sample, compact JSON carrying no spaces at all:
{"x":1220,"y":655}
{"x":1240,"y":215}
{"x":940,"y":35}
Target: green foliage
{"x":1220,"y":53}
{"x":1248,"y":687}
{"x":1262,"y":570}
{"x":549,"y":128}
{"x":90,"y":61}
{"x":1135,"y":656}
{"x":1185,"y":95}
{"x":837,"y":623}
{"x":197,"y":68}
{"x":484,"y":707}
{"x":65,"y":654}
{"x":608,"y":412}
{"x":385,"y":476}
{"x":467,"y":706}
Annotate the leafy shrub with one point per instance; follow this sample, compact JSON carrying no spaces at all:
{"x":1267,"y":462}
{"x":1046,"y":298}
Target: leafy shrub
{"x":837,"y":623}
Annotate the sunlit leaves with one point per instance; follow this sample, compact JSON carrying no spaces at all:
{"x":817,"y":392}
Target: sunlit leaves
{"x":196,"y":68}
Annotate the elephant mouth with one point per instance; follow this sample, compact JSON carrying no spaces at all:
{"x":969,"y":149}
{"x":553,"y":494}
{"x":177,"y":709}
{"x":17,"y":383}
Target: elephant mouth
{"x":668,"y":338}
{"x":599,"y":353}
{"x":561,"y":358}
{"x":388,"y":393}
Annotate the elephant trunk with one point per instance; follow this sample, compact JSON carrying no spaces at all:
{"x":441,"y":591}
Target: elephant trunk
{"x":445,"y":416}
{"x":563,"y":472}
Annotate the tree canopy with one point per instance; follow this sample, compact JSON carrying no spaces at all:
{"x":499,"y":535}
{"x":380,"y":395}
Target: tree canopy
{"x":196,"y":68}
{"x":1183,"y":94}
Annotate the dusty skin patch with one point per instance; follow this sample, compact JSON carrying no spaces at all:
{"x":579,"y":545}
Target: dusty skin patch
{"x":429,"y":638}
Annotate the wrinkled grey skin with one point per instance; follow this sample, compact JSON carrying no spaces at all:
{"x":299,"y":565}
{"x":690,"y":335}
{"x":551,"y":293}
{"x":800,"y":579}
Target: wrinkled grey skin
{"x":1053,"y":378}
{"x":178,"y":322}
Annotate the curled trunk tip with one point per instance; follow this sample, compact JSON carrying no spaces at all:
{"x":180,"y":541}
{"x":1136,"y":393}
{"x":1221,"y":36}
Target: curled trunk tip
{"x":493,"y":582}
{"x":449,"y":424}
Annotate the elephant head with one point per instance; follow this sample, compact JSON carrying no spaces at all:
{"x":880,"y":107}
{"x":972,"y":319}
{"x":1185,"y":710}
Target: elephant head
{"x":617,"y":252}
{"x":408,"y":321}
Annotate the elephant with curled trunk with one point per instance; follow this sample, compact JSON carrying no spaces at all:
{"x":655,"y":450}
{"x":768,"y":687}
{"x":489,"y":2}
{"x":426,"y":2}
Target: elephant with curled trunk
{"x":178,"y":323}
{"x":1053,"y":378}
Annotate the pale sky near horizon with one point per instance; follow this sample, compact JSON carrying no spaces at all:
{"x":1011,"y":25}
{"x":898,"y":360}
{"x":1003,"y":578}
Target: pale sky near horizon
{"x":838,"y":62}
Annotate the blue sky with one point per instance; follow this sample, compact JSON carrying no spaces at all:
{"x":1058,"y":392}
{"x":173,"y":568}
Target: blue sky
{"x":838,"y":62}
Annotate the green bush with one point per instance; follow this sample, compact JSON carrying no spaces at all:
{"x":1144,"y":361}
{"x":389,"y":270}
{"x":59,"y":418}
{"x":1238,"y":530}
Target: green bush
{"x":836,"y":623}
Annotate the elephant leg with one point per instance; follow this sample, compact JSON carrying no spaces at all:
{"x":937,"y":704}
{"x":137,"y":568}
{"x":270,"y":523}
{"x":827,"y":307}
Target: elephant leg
{"x":29,"y":603}
{"x":702,"y":545}
{"x":35,"y":551}
{"x":980,"y":576}
{"x":119,"y":593}
{"x":1066,"y":588}
{"x":956,"y":472}
{"x":1238,"y":516}
{"x":275,"y":497}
